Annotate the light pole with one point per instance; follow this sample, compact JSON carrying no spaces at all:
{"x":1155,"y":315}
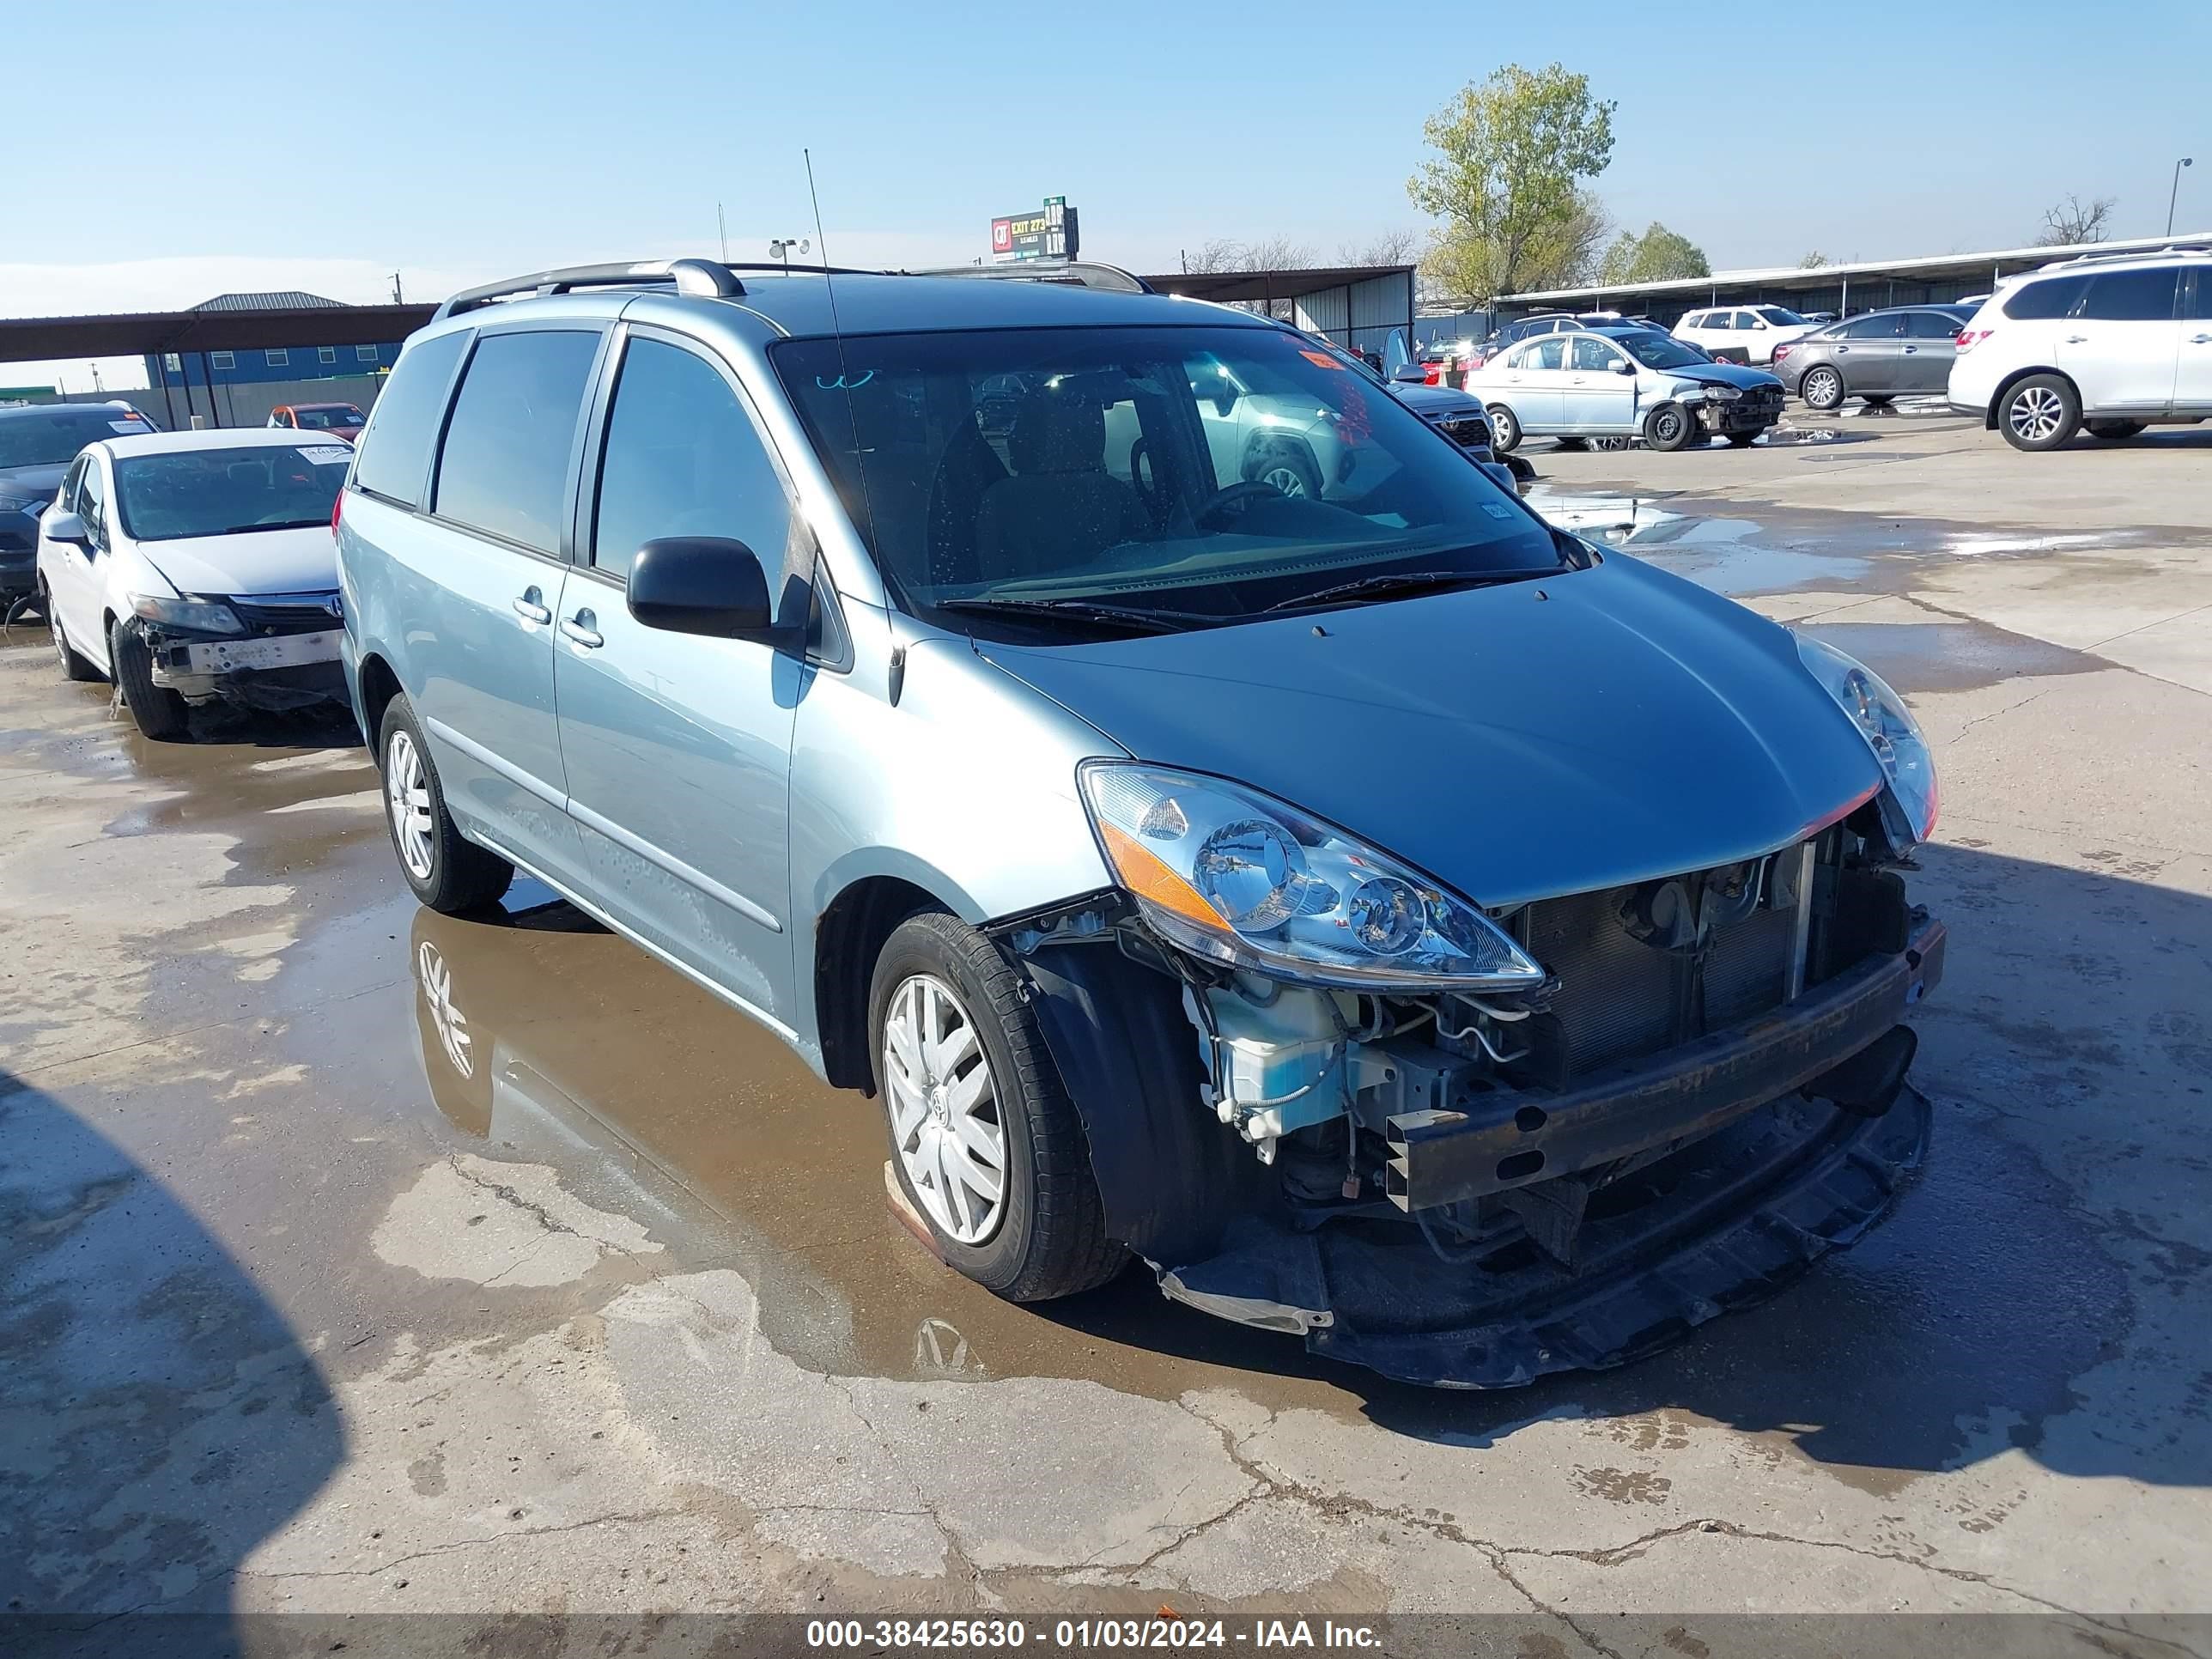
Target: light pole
{"x":783,"y":247}
{"x":2170,"y":196}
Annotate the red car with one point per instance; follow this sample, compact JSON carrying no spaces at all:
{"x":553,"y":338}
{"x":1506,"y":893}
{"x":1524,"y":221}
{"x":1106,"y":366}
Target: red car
{"x":339,"y":420}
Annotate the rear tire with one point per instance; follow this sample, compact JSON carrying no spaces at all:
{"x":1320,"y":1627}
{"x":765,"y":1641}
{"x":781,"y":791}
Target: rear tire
{"x":1047,"y":1236}
{"x":2114,"y":431}
{"x":1288,"y":465}
{"x":74,"y":666}
{"x":1822,"y":388}
{"x":1668,"y":427}
{"x":158,"y":712}
{"x":2042,"y":412}
{"x":446,"y":871}
{"x":1505,"y":433}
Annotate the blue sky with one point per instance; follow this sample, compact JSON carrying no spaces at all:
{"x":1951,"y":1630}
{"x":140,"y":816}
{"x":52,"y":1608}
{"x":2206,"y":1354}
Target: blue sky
{"x":337,"y":142}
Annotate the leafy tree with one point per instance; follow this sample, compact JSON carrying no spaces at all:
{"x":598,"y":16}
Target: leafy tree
{"x":2072,"y":221}
{"x":1511,"y":152}
{"x":1658,"y":255}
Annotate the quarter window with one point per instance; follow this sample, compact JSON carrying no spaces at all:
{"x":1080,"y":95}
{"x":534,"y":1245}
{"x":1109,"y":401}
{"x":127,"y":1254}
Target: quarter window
{"x":504,"y":468}
{"x":395,"y":451}
{"x":683,"y":458}
{"x":2131,"y":296}
{"x":2039,"y":301}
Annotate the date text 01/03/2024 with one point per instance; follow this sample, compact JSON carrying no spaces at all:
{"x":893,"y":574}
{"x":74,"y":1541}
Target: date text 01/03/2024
{"x":1004,"y":1635}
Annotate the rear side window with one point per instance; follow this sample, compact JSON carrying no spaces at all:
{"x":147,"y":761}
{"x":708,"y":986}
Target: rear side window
{"x":1931,"y":325}
{"x":1719,"y":319}
{"x":1877,"y":327}
{"x":505,"y":467}
{"x":683,"y":458}
{"x":2052,"y":297}
{"x":395,"y":451}
{"x":1545,"y":353}
{"x":2131,"y":296}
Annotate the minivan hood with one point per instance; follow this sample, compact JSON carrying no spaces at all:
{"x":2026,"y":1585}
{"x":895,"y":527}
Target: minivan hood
{"x":1577,"y":732}
{"x":252,"y":562}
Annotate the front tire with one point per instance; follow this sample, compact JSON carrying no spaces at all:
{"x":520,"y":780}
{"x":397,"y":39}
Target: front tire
{"x":1822,"y":388}
{"x":1505,"y":433}
{"x":74,"y":666}
{"x":2114,"y":431}
{"x":1669,"y":428}
{"x":2042,"y":412}
{"x":447,"y":872}
{"x":1288,"y":465}
{"x":985,"y":1146}
{"x":157,"y":711}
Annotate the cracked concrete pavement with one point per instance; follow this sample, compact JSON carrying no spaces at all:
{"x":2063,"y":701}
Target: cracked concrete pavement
{"x":360,"y":1260}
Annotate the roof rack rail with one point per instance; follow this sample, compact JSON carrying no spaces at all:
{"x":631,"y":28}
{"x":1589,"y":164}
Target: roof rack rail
{"x":2176,"y":244}
{"x":701,"y":278}
{"x":1075,"y":273}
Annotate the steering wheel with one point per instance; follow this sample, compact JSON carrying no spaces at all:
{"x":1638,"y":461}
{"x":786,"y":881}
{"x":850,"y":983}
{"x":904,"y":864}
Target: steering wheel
{"x":1237,"y":497}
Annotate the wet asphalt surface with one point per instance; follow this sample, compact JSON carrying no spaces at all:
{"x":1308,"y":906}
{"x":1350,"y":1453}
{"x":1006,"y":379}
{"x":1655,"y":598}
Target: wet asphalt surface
{"x":360,"y":1259}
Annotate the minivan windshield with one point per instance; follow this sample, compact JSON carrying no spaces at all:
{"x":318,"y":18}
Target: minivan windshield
{"x":226,"y":492}
{"x":1202,"y":474}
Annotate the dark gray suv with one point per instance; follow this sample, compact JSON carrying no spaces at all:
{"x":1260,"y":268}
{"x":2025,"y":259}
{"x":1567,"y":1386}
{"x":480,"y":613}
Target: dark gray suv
{"x":37,"y":444}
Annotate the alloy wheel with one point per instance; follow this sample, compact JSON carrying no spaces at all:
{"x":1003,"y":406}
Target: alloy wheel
{"x":2035,"y":414}
{"x":944,"y":1104}
{"x":1286,"y":478}
{"x":407,"y":788}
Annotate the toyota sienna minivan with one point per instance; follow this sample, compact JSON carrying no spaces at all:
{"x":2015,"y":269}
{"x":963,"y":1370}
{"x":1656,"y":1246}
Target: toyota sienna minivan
{"x":1395,"y":920}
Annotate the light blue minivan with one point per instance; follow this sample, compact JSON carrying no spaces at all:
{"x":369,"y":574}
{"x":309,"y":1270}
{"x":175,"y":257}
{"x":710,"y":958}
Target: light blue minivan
{"x":1395,"y":920}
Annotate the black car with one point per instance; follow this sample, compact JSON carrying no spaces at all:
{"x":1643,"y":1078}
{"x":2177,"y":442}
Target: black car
{"x":37,"y":443}
{"x":1905,"y":351}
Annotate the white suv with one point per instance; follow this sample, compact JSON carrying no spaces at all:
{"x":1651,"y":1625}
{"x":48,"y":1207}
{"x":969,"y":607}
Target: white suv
{"x":1743,"y":334}
{"x":2113,"y":343}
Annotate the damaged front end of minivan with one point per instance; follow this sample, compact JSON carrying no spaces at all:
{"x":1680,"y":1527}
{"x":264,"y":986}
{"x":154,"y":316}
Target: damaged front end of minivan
{"x":1465,"y":1146}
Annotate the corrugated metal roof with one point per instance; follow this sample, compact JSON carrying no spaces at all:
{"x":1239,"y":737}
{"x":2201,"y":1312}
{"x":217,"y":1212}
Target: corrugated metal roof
{"x":1926,"y":266}
{"x":290,"y":298}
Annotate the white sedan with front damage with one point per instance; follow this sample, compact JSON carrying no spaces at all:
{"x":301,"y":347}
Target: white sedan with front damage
{"x":197,"y":566}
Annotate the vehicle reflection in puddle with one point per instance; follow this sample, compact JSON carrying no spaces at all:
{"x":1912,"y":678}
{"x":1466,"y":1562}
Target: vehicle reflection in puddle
{"x":557,"y":1043}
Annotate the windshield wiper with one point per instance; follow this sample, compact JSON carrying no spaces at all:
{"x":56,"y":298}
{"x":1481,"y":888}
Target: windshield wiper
{"x":282,"y":524}
{"x":1149,"y":622}
{"x":1408,"y":581}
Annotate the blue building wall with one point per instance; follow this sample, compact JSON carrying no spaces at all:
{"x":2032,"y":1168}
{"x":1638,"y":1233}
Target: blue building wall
{"x":257,"y":368}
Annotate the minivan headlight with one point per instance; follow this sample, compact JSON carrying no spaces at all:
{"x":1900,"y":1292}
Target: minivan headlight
{"x":1887,"y":725}
{"x":201,"y":616}
{"x":1242,"y":879}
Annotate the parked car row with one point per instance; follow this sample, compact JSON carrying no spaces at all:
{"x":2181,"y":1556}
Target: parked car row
{"x":38,"y":441}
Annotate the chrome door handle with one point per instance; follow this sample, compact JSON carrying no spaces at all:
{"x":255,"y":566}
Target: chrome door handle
{"x":2200,"y":339}
{"x":2077,"y":339}
{"x":531,"y":606}
{"x":578,"y":628}
{"x":1908,"y":350}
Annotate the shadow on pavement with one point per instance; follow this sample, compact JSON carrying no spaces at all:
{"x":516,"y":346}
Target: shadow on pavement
{"x":160,"y":1418}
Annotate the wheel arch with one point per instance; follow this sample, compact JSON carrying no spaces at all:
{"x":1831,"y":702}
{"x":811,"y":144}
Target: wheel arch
{"x":2004,"y":390}
{"x":378,"y":685}
{"x":849,"y":933}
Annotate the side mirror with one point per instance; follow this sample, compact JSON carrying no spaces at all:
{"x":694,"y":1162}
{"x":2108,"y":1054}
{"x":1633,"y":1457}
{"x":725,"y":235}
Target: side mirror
{"x":1622,"y":366}
{"x":1759,"y":323}
{"x":66,"y":527}
{"x":1410,"y":374}
{"x":707,"y":585}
